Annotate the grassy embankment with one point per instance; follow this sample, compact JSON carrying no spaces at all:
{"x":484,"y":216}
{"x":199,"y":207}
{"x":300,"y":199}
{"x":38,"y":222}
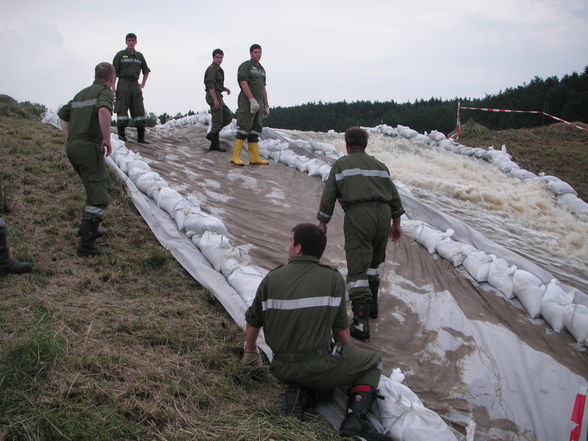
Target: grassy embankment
{"x":558,"y":149}
{"x":123,"y":347}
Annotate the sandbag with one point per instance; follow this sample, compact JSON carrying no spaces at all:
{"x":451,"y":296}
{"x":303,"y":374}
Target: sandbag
{"x":235,"y":257}
{"x":245,"y":280}
{"x":199,"y":223}
{"x":214,"y":246}
{"x":529,"y":289}
{"x":146,"y":180}
{"x":453,"y":251}
{"x":554,"y":304}
{"x":477,"y":264}
{"x":576,"y":321}
{"x":559,"y":187}
{"x":404,"y":416}
{"x":500,"y":276}
{"x":429,"y":238}
{"x":167,"y":200}
{"x":412,"y":228}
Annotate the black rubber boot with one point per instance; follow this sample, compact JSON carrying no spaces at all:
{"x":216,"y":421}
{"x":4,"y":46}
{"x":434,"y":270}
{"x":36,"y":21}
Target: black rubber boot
{"x":374,"y":287}
{"x":8,"y":265}
{"x":360,"y":326}
{"x":141,"y":135}
{"x":121,"y":133}
{"x":215,"y":143}
{"x":99,"y":233}
{"x":298,"y":399}
{"x":89,"y":230}
{"x":356,"y":424}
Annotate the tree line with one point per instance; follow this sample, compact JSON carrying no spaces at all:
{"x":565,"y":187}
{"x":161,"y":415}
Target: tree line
{"x":566,"y":98}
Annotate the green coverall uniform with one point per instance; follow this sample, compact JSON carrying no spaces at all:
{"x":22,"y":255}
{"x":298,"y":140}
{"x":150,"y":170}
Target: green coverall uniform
{"x":299,"y":305}
{"x":129,"y":95}
{"x":83,"y":144}
{"x":247,"y":123}
{"x":365,"y":190}
{"x":214,"y":78}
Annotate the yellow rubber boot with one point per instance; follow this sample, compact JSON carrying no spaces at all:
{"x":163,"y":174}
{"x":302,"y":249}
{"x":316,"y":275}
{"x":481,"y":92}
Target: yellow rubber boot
{"x":236,"y":158}
{"x":254,"y":154}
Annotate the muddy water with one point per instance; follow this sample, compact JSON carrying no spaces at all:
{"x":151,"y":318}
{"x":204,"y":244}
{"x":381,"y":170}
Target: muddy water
{"x":434,"y":323}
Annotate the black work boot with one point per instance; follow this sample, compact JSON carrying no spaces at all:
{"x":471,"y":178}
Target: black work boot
{"x":89,"y":230}
{"x":141,"y":135}
{"x":99,"y":233}
{"x":215,"y":143}
{"x":8,"y":265}
{"x":374,"y":286}
{"x":360,"y":326}
{"x":356,"y":424}
{"x":121,"y":133}
{"x":298,"y":399}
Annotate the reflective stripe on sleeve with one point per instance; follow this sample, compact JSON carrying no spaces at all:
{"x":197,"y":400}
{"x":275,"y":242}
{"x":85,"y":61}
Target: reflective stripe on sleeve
{"x":310,"y":302}
{"x":324,"y":215}
{"x":359,"y":171}
{"x":131,"y":60}
{"x":87,"y":103}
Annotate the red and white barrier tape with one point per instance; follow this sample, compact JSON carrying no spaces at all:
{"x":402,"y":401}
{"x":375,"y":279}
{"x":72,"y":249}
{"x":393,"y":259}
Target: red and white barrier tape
{"x":538,"y":112}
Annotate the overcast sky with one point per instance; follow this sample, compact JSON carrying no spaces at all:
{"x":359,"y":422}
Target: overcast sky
{"x":312,"y":50}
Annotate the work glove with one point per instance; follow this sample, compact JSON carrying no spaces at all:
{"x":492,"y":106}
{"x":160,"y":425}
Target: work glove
{"x":254,"y":106}
{"x":266,"y":112}
{"x":251,"y":358}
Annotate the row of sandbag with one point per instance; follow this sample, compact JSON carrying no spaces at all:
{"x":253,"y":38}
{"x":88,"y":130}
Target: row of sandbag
{"x":564,"y":192}
{"x":556,"y":305}
{"x":208,"y":232}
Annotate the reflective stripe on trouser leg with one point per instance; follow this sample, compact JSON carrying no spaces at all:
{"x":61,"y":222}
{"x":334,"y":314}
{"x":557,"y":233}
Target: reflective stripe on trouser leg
{"x":91,"y":212}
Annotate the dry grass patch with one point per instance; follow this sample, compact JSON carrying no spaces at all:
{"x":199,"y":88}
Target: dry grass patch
{"x":120,"y":347}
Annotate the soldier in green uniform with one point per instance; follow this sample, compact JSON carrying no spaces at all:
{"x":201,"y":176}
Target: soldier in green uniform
{"x":214,"y":82}
{"x":365,"y":190}
{"x":129,"y":64}
{"x":301,"y":307}
{"x":8,"y":265}
{"x":253,"y":107}
{"x":85,"y":120}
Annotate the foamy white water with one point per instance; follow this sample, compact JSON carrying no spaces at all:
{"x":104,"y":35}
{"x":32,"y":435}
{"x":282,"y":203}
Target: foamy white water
{"x":520,"y":215}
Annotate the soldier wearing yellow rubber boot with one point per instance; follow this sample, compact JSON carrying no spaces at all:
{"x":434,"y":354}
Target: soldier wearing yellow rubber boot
{"x":253,"y":107}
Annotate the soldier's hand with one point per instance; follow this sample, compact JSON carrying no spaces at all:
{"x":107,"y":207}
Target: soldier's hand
{"x":251,"y":357}
{"x":253,"y":106}
{"x":105,"y":148}
{"x":266,"y":111}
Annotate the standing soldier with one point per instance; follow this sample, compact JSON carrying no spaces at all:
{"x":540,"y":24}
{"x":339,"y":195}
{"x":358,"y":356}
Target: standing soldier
{"x":369,"y":198}
{"x":129,"y":94}
{"x":253,"y":107}
{"x":8,"y":265}
{"x":85,"y":120}
{"x":214,"y":82}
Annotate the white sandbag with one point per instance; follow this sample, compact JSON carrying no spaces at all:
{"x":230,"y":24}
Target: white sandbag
{"x":453,"y":251}
{"x":554,"y":304}
{"x":245,"y":280}
{"x":182,"y":210}
{"x":422,"y":139}
{"x":302,"y":165}
{"x":429,"y":238}
{"x":575,"y":204}
{"x":437,"y":136}
{"x":406,"y":132}
{"x":412,"y":228}
{"x":477,"y":264}
{"x":199,"y":223}
{"x":275,"y":155}
{"x":322,"y":147}
{"x":168,"y":198}
{"x":520,"y":173}
{"x":500,"y":276}
{"x":576,"y":321}
{"x":559,"y":187}
{"x":404,"y":416}
{"x":529,"y":289}
{"x":313,"y":166}
{"x":505,"y":165}
{"x":139,"y":164}
{"x":214,"y":247}
{"x":300,"y":143}
{"x":289,"y":158}
{"x":323,"y":171}
{"x":146,"y":180}
{"x":156,"y":188}
{"x":235,"y":257}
